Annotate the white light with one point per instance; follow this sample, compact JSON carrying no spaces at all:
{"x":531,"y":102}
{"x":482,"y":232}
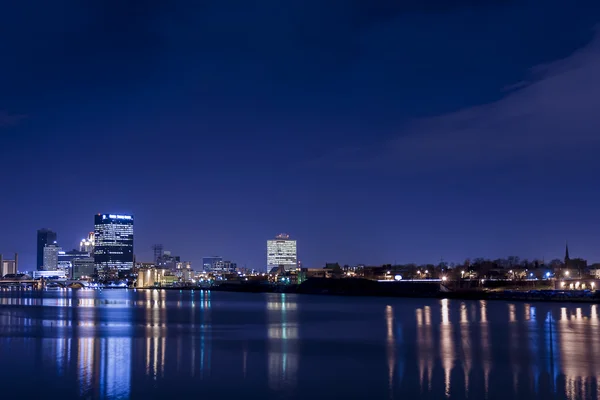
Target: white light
{"x":398,"y":277}
{"x":119,"y":216}
{"x":444,"y":278}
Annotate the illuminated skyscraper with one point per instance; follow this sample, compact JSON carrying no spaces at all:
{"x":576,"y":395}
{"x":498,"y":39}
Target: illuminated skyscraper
{"x":87,"y":244}
{"x":51,"y":257}
{"x":281,"y":252}
{"x":113,"y":244}
{"x":44,"y":237}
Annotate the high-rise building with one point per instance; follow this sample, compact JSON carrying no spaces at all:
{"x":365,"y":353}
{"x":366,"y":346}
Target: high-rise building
{"x":44,"y":237}
{"x":210,"y":263}
{"x":281,"y":252}
{"x":9,"y":267}
{"x":113,"y":244}
{"x":51,"y":257}
{"x":87,"y":244}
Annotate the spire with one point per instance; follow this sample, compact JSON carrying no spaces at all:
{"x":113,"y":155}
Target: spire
{"x":567,"y":253}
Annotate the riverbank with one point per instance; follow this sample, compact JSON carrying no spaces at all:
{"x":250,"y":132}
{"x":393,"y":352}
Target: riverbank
{"x":407,"y":289}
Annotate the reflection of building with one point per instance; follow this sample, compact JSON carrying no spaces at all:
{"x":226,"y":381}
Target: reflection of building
{"x":282,"y":348}
{"x":113,"y":249}
{"x":44,"y":237}
{"x":51,"y":257}
{"x":281,"y":252}
{"x":9,"y":267}
{"x":115,"y":367}
{"x":209,"y":263}
{"x":87,"y":244}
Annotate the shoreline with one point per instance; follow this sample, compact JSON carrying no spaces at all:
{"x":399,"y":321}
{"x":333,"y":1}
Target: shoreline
{"x":433,"y":292}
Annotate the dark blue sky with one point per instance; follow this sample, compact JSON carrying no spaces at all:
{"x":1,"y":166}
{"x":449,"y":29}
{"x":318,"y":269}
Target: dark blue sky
{"x":371,"y":132}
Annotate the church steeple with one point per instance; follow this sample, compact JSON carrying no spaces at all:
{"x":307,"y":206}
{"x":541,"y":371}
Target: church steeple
{"x":567,"y":259}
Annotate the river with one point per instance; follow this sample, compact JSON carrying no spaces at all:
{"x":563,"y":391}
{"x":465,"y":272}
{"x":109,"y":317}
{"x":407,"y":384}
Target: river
{"x":156,"y":344}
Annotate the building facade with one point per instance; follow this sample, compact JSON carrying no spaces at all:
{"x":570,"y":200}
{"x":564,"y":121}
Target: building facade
{"x":113,"y":244}
{"x":9,"y":267}
{"x":83,"y":268}
{"x":66,"y":258}
{"x":282,"y":252}
{"x":51,"y":257}
{"x":87,"y":244}
{"x":167,"y":261}
{"x":224,"y":267}
{"x":210,"y":263}
{"x":44,"y":237}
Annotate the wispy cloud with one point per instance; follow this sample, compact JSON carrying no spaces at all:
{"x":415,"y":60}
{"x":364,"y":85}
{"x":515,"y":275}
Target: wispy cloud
{"x":557,"y":110}
{"x":7,"y":119}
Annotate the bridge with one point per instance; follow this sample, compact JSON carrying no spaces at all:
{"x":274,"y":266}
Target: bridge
{"x":44,"y":283}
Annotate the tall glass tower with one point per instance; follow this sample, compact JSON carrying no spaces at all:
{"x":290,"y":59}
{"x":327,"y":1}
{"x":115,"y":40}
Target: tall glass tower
{"x":113,"y":244}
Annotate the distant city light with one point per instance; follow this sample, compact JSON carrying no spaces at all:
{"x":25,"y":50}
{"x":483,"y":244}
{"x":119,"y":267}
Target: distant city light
{"x":398,"y":277}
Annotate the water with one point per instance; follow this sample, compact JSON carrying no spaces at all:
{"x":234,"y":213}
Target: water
{"x":155,"y":344}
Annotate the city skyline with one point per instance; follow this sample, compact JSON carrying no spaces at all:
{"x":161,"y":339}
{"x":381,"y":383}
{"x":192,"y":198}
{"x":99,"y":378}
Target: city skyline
{"x":372,"y":133}
{"x":286,"y":252}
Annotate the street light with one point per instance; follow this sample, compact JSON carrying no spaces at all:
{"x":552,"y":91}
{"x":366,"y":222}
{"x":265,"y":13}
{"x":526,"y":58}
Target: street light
{"x":566,"y":273}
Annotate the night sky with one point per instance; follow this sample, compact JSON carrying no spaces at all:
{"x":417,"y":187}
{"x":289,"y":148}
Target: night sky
{"x":370,"y":131}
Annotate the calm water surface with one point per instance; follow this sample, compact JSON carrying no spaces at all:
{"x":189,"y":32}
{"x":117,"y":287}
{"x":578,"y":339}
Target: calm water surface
{"x":154,"y":344}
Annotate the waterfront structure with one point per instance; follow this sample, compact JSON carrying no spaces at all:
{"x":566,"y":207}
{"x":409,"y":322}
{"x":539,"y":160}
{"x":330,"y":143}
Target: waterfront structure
{"x":151,"y":277}
{"x":49,"y":275}
{"x":82,"y":268}
{"x":113,"y":244}
{"x":87,"y":244}
{"x":9,"y":267}
{"x":44,"y":237}
{"x":210,"y":263}
{"x":51,"y":257}
{"x":282,"y":252}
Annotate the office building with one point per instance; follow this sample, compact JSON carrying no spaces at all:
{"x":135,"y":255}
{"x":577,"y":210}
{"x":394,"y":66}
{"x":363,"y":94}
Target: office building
{"x":9,"y":267}
{"x":113,"y":244}
{"x":87,"y":244}
{"x":210,"y":263}
{"x":66,"y":258}
{"x":281,"y":252}
{"x":167,"y":261}
{"x":44,"y":237}
{"x":51,"y":257}
{"x":184,"y":272}
{"x":224,"y":267}
{"x":82,"y":268}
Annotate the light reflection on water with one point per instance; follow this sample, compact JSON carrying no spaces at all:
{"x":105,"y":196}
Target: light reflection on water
{"x":124,"y":344}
